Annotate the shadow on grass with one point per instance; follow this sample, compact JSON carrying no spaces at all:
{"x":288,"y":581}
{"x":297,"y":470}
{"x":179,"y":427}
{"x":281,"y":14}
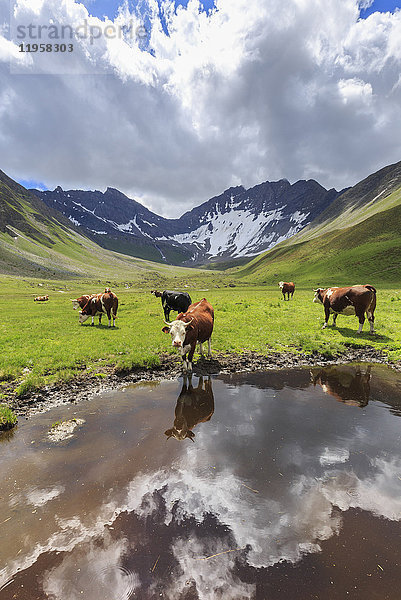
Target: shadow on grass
{"x":365,"y":335}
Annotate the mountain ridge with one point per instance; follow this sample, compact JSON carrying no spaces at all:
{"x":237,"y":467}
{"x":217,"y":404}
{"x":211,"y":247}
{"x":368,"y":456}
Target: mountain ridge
{"x":234,"y":224}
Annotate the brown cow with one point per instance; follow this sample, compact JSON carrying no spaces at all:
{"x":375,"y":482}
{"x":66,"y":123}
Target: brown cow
{"x":41,"y":298}
{"x":194,"y":405}
{"x":98,"y":305}
{"x":191,"y":327}
{"x":355,"y":300}
{"x":287,"y":288}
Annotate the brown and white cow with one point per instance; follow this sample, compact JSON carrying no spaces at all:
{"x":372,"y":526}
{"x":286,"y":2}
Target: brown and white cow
{"x":98,"y":305}
{"x":287,"y":288}
{"x":192,"y":327}
{"x":41,"y":299}
{"x":194,"y":406}
{"x":354,"y":300}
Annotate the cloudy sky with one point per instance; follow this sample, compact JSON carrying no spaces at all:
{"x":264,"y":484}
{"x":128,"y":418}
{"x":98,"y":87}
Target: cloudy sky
{"x":173,"y":102}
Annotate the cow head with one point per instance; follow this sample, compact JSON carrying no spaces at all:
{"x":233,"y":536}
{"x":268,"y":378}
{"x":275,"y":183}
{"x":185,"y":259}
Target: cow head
{"x":281,"y":284}
{"x":178,"y":330}
{"x":83,"y":316}
{"x":75,"y":304}
{"x":319,"y":293}
{"x":180,"y":431}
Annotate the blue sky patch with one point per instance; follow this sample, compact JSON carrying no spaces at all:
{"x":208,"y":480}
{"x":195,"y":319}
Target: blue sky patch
{"x":31,"y":183}
{"x":381,"y":6}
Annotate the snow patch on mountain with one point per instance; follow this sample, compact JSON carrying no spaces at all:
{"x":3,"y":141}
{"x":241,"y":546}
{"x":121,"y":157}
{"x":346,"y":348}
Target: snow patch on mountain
{"x":241,"y":232}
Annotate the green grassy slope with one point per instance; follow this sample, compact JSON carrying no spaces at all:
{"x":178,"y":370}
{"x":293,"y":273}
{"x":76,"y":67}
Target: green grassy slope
{"x":376,"y":193}
{"x":357,"y":239}
{"x":368,"y":251}
{"x":36,"y":241}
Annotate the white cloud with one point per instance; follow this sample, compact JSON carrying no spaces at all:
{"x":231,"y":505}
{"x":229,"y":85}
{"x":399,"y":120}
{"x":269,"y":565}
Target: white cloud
{"x":250,"y":92}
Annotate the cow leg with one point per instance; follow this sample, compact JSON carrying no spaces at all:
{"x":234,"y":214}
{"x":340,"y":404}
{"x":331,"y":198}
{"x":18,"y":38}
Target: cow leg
{"x":166,"y":313}
{"x":93,"y":321}
{"x":100,"y":319}
{"x":190,"y":356}
{"x":209,"y":348}
{"x":201,"y":348}
{"x":361,"y":318}
{"x":371,"y":319}
{"x":327,"y":315}
{"x":335,"y":315}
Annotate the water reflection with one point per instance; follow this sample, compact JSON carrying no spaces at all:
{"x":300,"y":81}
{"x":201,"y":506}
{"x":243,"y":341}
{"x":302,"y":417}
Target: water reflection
{"x":346,"y":383}
{"x":194,"y":406}
{"x":284,"y":495}
{"x":7,"y":435}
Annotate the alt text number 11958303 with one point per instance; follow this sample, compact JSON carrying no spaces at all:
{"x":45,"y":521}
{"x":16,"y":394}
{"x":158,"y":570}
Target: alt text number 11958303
{"x":46,"y":47}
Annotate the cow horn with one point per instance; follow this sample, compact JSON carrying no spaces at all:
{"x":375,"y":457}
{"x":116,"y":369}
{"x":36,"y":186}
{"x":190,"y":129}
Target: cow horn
{"x":189,"y":323}
{"x":168,"y":324}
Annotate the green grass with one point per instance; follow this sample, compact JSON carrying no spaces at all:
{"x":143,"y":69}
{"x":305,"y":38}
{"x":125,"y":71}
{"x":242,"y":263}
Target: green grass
{"x":44,"y":342}
{"x":369,"y":252}
{"x":7,"y":418}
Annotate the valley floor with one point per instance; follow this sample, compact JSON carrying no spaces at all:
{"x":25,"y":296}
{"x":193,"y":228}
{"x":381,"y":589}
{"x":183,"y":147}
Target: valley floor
{"x":48,"y":357}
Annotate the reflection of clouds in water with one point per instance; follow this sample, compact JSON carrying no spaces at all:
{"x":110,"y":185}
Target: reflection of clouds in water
{"x":331,"y":456}
{"x":93,"y":573}
{"x":278,"y":527}
{"x":214,"y":577}
{"x":303,"y":462}
{"x":37,"y":497}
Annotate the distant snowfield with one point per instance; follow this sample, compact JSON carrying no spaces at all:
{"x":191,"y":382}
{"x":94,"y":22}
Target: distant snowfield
{"x":240,"y":232}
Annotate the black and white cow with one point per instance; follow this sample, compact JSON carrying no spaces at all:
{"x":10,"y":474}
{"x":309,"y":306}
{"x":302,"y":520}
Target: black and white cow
{"x":179,"y":301}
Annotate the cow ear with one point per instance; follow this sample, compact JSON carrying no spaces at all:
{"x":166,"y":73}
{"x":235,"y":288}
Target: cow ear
{"x":166,"y":329}
{"x":190,"y":435}
{"x":168,"y":432}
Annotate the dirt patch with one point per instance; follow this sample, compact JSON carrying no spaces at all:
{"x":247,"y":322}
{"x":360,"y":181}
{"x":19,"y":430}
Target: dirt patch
{"x":86,"y":386}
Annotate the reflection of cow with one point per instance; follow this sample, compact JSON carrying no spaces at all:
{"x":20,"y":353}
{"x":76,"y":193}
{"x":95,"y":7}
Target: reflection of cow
{"x":287,"y":288}
{"x":346,"y":383}
{"x":355,"y":300}
{"x":194,"y":405}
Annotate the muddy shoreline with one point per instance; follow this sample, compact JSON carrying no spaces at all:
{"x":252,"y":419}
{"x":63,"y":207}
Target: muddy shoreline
{"x":87,"y":385}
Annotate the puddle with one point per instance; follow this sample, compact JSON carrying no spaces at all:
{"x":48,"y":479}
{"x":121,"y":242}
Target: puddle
{"x":278,"y":485}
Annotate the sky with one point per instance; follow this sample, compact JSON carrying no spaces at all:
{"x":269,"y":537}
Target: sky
{"x":172,"y":102}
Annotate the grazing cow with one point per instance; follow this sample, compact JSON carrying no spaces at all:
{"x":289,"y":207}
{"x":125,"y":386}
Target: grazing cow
{"x":98,"y":305}
{"x":347,"y":383}
{"x":41,"y":298}
{"x":355,"y":300}
{"x":179,"y":301}
{"x":287,"y":288}
{"x":195,"y":325}
{"x":194,"y":405}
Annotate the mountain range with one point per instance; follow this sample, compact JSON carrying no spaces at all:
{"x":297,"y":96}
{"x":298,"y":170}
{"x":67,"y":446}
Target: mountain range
{"x":312,"y":235}
{"x":239,"y":223}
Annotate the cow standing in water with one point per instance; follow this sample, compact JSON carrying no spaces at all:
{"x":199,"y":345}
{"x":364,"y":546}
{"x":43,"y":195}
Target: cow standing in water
{"x":192,"y":327}
{"x":98,"y":305}
{"x":194,"y":406}
{"x":287,"y":288}
{"x":179,"y":301}
{"x":351,"y":301}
